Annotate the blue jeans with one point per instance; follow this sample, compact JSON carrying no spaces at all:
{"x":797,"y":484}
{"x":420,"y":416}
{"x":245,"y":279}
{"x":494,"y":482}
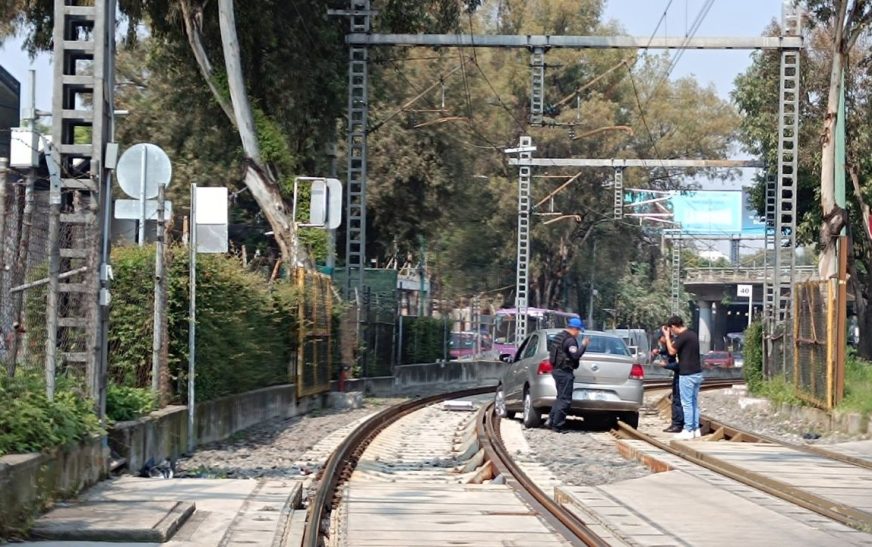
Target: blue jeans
{"x":688,"y":386}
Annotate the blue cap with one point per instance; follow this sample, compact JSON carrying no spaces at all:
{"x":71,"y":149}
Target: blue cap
{"x":575,"y":323}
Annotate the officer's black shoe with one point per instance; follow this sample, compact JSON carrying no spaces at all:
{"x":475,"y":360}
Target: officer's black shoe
{"x":673,"y":429}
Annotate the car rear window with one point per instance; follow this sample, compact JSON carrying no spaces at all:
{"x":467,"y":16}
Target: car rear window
{"x":717,"y":355}
{"x":610,"y":345}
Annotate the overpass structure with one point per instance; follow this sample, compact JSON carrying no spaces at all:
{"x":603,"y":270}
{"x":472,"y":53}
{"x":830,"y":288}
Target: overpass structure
{"x":713,"y":286}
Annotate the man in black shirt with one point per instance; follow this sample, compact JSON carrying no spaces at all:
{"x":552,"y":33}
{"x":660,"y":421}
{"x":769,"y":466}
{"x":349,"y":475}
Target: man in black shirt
{"x":685,"y":346}
{"x":564,"y":355}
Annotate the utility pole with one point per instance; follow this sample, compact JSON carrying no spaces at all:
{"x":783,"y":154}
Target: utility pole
{"x":592,"y":290}
{"x":4,"y":179}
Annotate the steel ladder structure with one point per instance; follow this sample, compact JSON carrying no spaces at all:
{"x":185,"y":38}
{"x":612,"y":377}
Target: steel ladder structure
{"x":82,"y":123}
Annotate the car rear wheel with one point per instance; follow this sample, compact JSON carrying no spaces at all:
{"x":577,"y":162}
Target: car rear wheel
{"x":631,"y":419}
{"x":500,"y":404}
{"x":532,"y":418}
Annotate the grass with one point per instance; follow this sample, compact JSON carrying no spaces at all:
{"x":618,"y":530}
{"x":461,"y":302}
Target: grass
{"x":779,"y":391}
{"x":858,"y":385}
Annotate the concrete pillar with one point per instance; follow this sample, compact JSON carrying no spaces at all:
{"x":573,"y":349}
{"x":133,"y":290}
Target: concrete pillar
{"x":705,"y":325}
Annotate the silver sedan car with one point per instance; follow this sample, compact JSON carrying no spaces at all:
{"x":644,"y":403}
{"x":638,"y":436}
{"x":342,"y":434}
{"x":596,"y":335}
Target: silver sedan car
{"x":608,"y":383}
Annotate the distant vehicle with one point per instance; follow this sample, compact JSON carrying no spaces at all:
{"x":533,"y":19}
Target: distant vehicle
{"x":638,"y":342}
{"x":738,"y":360}
{"x":718,"y":359}
{"x":537,"y":318}
{"x":463,"y":344}
{"x":608,"y":382}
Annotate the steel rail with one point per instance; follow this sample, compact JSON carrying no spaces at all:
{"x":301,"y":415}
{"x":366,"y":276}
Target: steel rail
{"x":342,"y":461}
{"x":565,"y":521}
{"x":737,"y":434}
{"x":839,"y":512}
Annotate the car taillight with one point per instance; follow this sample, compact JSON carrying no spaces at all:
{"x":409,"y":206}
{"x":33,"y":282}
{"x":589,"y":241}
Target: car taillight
{"x":544,"y":367}
{"x":637,"y":372}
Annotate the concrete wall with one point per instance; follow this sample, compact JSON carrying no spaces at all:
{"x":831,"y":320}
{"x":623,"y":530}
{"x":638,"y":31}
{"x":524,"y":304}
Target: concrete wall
{"x":164,"y":433}
{"x":434,"y":377}
{"x":29,"y":481}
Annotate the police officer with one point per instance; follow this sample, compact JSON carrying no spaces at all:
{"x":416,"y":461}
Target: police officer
{"x":565,"y":354}
{"x":671,"y":363}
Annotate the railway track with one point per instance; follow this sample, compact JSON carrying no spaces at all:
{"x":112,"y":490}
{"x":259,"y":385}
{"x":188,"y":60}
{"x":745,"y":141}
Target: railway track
{"x":341,"y":464}
{"x":716,"y":431}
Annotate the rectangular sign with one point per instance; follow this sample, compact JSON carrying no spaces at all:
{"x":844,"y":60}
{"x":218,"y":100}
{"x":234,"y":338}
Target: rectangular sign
{"x":130,"y":209}
{"x":745,"y":291}
{"x":211,"y":205}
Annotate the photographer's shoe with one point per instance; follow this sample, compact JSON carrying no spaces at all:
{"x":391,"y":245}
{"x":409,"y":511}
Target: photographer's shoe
{"x":684,"y":436}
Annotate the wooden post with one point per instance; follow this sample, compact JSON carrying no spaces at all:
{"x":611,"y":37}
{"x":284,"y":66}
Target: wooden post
{"x":842,"y":323}
{"x":797,"y":312}
{"x":831,"y":339}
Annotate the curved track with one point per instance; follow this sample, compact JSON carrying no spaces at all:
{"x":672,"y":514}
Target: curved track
{"x":343,"y":460}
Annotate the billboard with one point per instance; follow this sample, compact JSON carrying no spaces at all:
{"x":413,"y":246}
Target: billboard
{"x":716,"y":212}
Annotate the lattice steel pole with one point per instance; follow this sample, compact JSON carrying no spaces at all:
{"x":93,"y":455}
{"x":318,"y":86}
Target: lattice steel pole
{"x":769,"y":276}
{"x":523,"y":269}
{"x":360,"y":17}
{"x":619,"y":193}
{"x":537,"y":92}
{"x":788,"y":152}
{"x":676,"y":273}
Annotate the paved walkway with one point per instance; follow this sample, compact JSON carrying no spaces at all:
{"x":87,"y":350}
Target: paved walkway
{"x":228,"y":512}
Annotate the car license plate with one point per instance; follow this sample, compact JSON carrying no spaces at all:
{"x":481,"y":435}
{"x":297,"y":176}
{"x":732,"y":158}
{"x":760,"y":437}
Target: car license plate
{"x":591,"y":395}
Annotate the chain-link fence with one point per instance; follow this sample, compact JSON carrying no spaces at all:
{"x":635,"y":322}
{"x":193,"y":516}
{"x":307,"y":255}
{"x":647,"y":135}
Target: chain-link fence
{"x":314,"y":356}
{"x":814,"y":366}
{"x":24,"y":283}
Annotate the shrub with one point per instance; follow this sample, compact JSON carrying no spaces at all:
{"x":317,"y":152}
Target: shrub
{"x":858,"y":384}
{"x":753,"y":367}
{"x":128,"y":403}
{"x":423,"y":339}
{"x":29,"y":422}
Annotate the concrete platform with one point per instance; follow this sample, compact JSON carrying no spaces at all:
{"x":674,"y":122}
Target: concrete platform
{"x":228,"y":511}
{"x":384,"y":515}
{"x":832,"y":480}
{"x":858,"y":449}
{"x":677,"y":508}
{"x":139,"y":521}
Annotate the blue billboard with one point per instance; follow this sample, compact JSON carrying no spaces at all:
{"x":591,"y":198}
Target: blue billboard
{"x":716,"y":212}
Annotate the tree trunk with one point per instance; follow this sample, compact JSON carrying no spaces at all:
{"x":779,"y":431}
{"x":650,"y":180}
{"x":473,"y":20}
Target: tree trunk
{"x":832,"y":219}
{"x":257,"y":178}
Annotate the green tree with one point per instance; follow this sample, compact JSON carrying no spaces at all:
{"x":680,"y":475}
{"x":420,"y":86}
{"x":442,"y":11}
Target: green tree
{"x":756,"y":96}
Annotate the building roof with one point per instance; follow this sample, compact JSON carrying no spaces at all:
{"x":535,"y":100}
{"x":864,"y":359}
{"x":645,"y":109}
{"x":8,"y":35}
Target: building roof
{"x":10,"y":107}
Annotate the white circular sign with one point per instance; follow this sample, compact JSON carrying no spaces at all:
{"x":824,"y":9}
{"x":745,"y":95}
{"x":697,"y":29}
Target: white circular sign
{"x":144,"y":164}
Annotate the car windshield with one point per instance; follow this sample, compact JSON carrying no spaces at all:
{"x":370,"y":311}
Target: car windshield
{"x":461,"y":341}
{"x":610,"y":345}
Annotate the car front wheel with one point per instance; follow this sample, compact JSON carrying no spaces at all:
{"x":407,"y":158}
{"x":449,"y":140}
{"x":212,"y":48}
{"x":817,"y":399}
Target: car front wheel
{"x":532,"y":418}
{"x":500,"y":404}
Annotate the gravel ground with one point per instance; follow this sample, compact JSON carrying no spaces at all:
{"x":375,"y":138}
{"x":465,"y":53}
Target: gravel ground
{"x":274,"y":448}
{"x":581,"y":456}
{"x":761,"y":418}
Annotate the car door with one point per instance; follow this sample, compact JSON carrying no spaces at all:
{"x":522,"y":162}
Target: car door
{"x":518,"y":371}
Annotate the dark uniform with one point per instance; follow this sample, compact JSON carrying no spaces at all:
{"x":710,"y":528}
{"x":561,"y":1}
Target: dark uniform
{"x":565,"y":354}
{"x":677,"y":412}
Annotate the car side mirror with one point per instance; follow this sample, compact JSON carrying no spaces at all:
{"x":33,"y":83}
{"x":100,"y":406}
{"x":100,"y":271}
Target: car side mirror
{"x":506,"y":357}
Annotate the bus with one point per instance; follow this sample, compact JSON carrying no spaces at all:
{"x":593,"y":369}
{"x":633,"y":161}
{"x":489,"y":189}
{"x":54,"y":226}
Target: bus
{"x":537,"y":318}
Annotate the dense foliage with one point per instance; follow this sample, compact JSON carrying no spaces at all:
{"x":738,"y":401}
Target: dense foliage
{"x":425,"y":340}
{"x":128,"y":403}
{"x":244,"y":327}
{"x":753,"y":367}
{"x":29,"y":422}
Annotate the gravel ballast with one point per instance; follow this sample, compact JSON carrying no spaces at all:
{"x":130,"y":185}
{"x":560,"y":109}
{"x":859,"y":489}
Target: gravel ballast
{"x":277,"y":448}
{"x":582,"y":456}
